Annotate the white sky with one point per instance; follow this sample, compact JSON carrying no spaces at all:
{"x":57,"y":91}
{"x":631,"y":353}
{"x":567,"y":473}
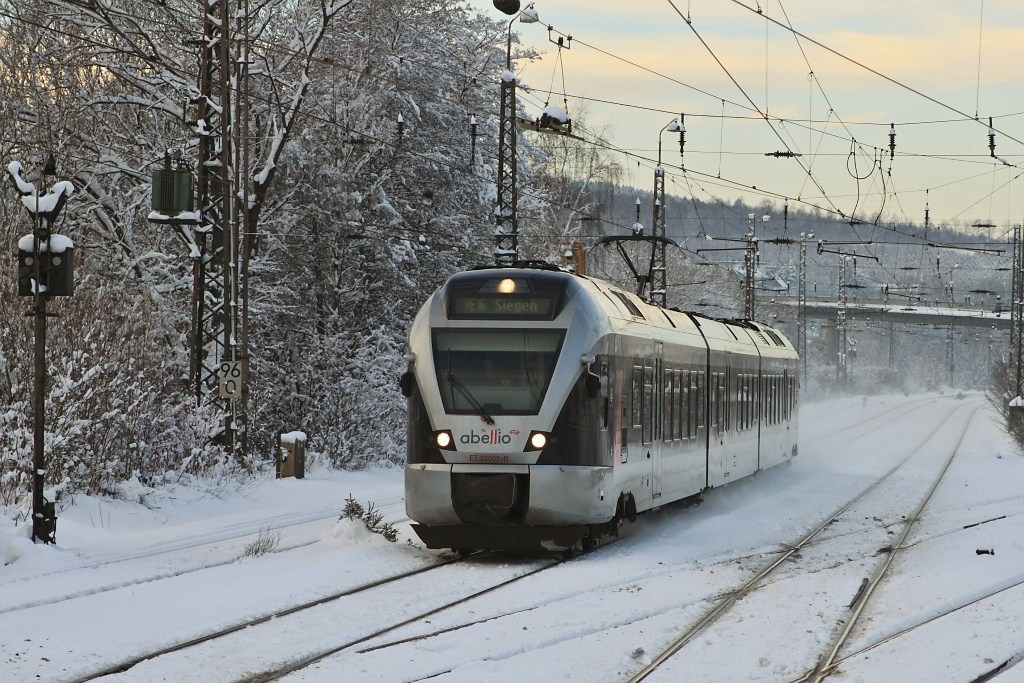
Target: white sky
{"x":159,"y":567}
{"x":930,"y":46}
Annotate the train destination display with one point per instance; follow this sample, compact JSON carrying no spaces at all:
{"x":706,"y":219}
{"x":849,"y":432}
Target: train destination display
{"x":534,"y":306}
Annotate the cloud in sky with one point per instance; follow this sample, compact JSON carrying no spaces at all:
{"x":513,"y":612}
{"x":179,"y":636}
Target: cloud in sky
{"x":929,"y":45}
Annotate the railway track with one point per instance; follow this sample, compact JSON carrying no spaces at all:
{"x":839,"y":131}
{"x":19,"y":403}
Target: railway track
{"x":22,"y":593}
{"x":825,"y":665}
{"x":498,"y":626}
{"x":731,"y":598}
{"x":337,"y":604}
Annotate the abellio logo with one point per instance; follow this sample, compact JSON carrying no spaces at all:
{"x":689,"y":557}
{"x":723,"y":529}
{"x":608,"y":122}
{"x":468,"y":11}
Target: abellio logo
{"x":491,"y":437}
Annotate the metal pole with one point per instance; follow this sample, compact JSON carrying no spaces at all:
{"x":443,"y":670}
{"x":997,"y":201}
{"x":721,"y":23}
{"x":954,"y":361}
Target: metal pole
{"x":749,"y":268}
{"x":949,"y":353}
{"x":801,"y":310}
{"x":841,"y":342}
{"x":506,"y":233}
{"x":242,"y":125}
{"x":1016,"y":297}
{"x":40,"y":529}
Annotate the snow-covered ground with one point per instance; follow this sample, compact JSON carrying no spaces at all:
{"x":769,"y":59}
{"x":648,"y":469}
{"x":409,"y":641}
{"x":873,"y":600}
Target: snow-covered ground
{"x":129,"y":577}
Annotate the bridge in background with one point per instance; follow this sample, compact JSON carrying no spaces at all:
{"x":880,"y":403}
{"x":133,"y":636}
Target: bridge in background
{"x":923,"y":314}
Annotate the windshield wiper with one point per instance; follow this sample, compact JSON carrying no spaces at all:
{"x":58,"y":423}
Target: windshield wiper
{"x":468,"y":395}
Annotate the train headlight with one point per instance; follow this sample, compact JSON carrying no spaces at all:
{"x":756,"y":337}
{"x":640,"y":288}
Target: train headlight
{"x":537,"y":441}
{"x":444,"y":440}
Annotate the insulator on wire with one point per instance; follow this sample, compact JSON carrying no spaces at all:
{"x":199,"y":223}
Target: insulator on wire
{"x":401,"y":127}
{"x":892,"y":140}
{"x":682,"y":135}
{"x":991,"y":138}
{"x":926,"y":212}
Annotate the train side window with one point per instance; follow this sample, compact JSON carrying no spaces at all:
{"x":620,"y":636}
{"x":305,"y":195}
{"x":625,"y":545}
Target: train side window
{"x":648,"y":407}
{"x":773,"y":403}
{"x":715,"y":420}
{"x":792,"y":396}
{"x":775,"y":399}
{"x":785,"y":397}
{"x":624,"y":428}
{"x":778,"y":399}
{"x":606,"y":393}
{"x":680,"y":411}
{"x":764,"y":399}
{"x":684,"y":404}
{"x":713,"y":389}
{"x":726,"y":402}
{"x":741,"y":403}
{"x":723,"y":402}
{"x":669,"y":403}
{"x":701,"y":399}
{"x":636,"y":402}
{"x":744,"y":404}
{"x":751,"y":401}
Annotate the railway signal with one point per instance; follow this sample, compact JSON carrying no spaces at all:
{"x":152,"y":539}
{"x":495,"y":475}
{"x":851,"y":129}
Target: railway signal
{"x":45,"y":267}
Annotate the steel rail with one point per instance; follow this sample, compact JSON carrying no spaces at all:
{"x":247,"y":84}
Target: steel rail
{"x":826,"y":666}
{"x":734,"y":596}
{"x":309,"y":660}
{"x":248,"y":623}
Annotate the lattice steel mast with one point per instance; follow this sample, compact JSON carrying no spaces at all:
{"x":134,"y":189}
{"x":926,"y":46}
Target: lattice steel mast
{"x":506,"y":218}
{"x":215,"y":333}
{"x":841,"y":341}
{"x":801,"y":310}
{"x":1017,"y":310}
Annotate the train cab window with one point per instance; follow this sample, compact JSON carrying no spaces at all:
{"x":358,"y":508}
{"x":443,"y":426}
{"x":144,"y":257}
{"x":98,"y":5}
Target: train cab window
{"x":495,"y":371}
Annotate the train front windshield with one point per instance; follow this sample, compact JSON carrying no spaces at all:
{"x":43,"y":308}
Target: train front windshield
{"x":500,"y":372}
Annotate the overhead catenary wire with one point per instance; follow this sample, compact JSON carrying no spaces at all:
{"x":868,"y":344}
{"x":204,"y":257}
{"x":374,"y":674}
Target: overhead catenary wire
{"x":861,"y":65}
{"x":328,"y":61}
{"x":333,"y":63}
